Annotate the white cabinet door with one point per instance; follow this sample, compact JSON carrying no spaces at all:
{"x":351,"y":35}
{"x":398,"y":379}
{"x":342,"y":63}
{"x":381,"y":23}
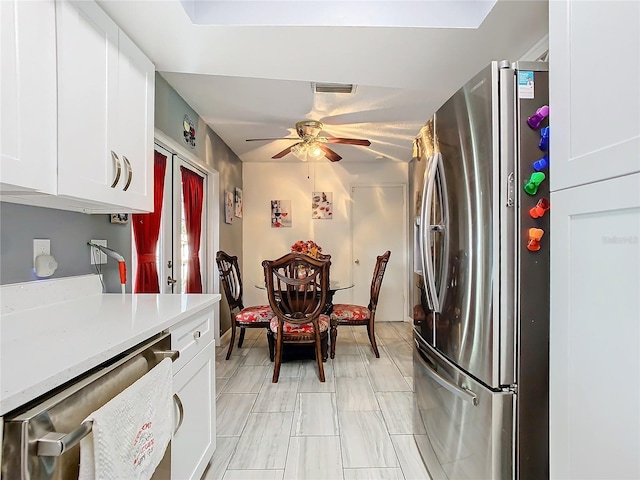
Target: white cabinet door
{"x":136,"y":84}
{"x":595,"y":330}
{"x":193,"y":444}
{"x":28,"y":119}
{"x":105,"y":111}
{"x":594,"y":91}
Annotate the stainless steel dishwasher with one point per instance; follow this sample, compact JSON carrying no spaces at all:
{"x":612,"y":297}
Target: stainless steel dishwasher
{"x":41,"y":440}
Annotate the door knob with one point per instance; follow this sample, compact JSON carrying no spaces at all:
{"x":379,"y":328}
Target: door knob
{"x":171,"y":281}
{"x":356,"y":261}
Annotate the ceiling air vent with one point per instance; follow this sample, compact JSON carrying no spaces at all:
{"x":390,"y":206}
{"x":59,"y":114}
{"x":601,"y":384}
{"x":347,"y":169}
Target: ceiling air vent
{"x":333,"y":88}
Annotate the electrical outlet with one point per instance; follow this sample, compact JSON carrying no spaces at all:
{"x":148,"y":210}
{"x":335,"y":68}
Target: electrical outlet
{"x":41,"y":246}
{"x":97,"y":257}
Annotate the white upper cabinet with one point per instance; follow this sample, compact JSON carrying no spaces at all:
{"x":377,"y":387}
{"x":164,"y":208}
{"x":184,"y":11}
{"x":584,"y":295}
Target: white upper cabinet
{"x":77,"y":110}
{"x":105,"y":111}
{"x":594,"y":91}
{"x":28,"y":120}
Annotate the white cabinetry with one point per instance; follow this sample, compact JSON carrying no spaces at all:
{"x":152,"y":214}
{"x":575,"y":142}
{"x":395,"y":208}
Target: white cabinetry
{"x":105,"y":111}
{"x":594,"y":378}
{"x":77,"y":110}
{"x":595,"y":91}
{"x":194,"y":382}
{"x":28,"y":121}
{"x":595,"y":332}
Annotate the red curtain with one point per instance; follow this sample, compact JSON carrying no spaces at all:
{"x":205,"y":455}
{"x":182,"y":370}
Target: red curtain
{"x":146,"y":229}
{"x":192,"y":191}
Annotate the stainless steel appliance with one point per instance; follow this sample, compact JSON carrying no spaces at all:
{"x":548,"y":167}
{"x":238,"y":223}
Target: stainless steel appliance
{"x":41,"y":441}
{"x":482,"y":281}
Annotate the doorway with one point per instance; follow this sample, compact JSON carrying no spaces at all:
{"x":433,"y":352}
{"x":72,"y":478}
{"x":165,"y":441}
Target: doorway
{"x":172,"y":251}
{"x":379,"y":223}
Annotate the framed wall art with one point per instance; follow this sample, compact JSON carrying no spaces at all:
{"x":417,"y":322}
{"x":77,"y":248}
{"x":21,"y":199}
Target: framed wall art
{"x":322,"y":205}
{"x":228,"y":207}
{"x":280,"y":213}
{"x":120,"y":218}
{"x":238,"y":201}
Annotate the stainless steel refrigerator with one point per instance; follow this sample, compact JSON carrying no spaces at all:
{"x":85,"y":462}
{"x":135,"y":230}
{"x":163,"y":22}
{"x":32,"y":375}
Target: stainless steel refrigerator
{"x":481,"y":280}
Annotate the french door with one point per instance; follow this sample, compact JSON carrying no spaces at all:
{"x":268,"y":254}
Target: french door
{"x":173,"y":249}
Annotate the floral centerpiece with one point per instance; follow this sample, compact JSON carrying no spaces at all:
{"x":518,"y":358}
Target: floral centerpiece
{"x":309,"y":247}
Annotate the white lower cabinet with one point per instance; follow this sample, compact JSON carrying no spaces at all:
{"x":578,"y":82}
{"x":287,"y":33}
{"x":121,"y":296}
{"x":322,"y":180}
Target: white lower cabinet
{"x":194,"y":383}
{"x":594,"y":380}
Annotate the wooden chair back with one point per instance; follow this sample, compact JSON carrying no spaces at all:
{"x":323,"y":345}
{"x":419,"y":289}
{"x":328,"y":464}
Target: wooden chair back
{"x":231,"y":279}
{"x":376,"y":281}
{"x":297,"y":287}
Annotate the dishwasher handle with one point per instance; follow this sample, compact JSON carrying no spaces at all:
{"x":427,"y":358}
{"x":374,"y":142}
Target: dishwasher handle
{"x":54,"y":444}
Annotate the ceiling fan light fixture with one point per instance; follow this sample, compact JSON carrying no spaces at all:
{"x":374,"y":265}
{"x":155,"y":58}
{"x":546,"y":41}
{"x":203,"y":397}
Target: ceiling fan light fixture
{"x":307,"y":151}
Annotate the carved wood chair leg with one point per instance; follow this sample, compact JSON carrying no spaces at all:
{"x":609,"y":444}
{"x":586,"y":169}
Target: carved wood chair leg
{"x":233,"y":339}
{"x":372,"y":339}
{"x":241,"y":339}
{"x":319,"y":355}
{"x":323,"y":342}
{"x":271,"y":342}
{"x":334,"y":335}
{"x":278,"y":359}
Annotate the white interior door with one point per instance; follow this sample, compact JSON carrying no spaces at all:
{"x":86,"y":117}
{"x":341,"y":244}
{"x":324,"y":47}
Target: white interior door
{"x":379,"y":224}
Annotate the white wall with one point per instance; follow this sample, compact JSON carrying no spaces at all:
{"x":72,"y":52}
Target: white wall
{"x":296,"y":181}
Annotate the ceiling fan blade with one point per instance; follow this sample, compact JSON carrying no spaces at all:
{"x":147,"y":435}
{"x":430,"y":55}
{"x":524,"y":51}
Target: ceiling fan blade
{"x":349,"y":141}
{"x":285,"y":151}
{"x":267,"y":139}
{"x":330,"y":154}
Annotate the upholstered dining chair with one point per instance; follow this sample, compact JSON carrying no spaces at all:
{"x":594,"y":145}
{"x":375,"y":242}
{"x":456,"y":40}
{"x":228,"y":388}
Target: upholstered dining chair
{"x":257,"y":316}
{"x":297,"y":288}
{"x":348,"y":314}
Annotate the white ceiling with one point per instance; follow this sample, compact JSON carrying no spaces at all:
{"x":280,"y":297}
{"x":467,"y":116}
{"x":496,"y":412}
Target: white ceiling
{"x":255,"y":81}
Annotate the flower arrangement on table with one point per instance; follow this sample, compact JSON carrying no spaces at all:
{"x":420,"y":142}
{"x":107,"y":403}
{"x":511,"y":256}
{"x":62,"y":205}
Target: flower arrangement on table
{"x":309,"y":247}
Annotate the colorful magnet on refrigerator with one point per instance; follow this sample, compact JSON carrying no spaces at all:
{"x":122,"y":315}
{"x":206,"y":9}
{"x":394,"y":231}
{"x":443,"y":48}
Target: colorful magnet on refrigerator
{"x":531,"y":187}
{"x":541,"y":163}
{"x":537,"y":118}
{"x":535,"y":234}
{"x":542,"y":206}
{"x":544,"y":138}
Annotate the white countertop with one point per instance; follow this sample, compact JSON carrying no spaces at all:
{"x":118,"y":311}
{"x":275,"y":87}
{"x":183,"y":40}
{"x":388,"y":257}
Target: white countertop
{"x":42,"y":348}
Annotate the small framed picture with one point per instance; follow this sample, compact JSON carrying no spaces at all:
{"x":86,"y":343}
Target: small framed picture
{"x":228,"y":207}
{"x":121,"y":218}
{"x":238,"y":201}
{"x":280,"y":213}
{"x":322,"y":205}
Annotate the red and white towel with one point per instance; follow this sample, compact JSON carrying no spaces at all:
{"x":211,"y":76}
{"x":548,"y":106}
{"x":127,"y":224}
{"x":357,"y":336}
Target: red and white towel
{"x":131,"y":432}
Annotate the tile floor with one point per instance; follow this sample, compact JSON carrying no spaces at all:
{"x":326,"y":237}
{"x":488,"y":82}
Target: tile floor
{"x":356,"y":425}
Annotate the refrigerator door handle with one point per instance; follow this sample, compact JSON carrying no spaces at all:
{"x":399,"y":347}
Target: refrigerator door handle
{"x":461,"y":392}
{"x":425,"y":234}
{"x":443,"y":228}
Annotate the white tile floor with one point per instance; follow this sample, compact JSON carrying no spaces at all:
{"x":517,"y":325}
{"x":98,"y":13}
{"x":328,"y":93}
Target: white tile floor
{"x":356,"y":425}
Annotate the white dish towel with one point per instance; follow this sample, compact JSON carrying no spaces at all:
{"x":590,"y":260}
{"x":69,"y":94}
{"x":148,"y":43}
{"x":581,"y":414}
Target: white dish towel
{"x":131,"y":432}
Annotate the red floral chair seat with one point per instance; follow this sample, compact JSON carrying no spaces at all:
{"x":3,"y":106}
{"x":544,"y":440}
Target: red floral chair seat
{"x":323,"y":323}
{"x":350,"y":313}
{"x":258,"y":313}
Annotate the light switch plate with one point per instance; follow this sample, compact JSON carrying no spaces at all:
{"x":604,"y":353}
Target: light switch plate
{"x":41,"y":246}
{"x":97,"y":257}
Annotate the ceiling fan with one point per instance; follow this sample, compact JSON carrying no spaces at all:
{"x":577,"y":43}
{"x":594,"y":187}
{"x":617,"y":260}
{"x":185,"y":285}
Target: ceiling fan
{"x":312,"y":146}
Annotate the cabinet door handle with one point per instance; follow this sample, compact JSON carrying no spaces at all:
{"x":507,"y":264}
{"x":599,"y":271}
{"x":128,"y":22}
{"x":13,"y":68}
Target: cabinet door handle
{"x":116,"y":161}
{"x":178,"y":402}
{"x":196,"y":334}
{"x":130,"y":170}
